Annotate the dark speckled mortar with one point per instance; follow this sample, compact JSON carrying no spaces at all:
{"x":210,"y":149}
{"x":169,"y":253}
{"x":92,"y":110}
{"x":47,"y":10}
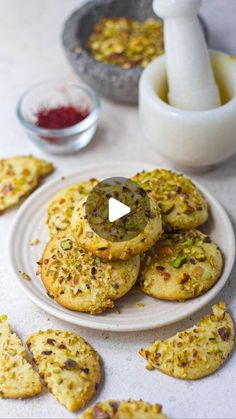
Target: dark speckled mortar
{"x":111,"y":81}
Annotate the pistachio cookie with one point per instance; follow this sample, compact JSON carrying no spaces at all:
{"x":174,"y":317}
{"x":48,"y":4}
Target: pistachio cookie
{"x":116,"y":250}
{"x":196,"y":352}
{"x":180,"y":266}
{"x":182,"y":205}
{"x":68,"y":364}
{"x":17,"y":377}
{"x":82,"y":282}
{"x":120,"y":409}
{"x":61,"y":207}
{"x":19,"y":176}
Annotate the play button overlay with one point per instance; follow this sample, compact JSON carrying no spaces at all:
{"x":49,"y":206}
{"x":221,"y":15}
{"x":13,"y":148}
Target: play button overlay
{"x":117,"y":209}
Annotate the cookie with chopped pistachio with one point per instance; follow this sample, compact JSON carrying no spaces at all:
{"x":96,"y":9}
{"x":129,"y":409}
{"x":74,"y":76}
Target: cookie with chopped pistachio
{"x":116,"y":250}
{"x":61,"y":207}
{"x":182,"y":205}
{"x":180,"y":266}
{"x":69,"y":366}
{"x":196,"y":352}
{"x":18,"y":380}
{"x":19,"y":176}
{"x":120,"y":409}
{"x":83,"y":282}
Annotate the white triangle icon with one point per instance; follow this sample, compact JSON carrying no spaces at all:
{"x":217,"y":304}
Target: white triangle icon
{"x":117,"y":210}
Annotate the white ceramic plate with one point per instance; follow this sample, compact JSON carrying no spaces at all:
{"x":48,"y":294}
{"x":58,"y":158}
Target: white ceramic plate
{"x":30,"y":225}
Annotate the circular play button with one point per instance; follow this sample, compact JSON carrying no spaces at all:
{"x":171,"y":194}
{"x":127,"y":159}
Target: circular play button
{"x":118,"y":209}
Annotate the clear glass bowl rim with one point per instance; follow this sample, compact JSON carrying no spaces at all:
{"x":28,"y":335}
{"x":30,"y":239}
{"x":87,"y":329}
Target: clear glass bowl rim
{"x":62,"y":132}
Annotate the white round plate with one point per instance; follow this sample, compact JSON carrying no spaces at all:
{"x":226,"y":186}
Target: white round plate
{"x":130,"y":316}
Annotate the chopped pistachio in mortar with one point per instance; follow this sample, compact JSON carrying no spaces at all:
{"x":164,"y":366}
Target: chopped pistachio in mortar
{"x":125,"y":42}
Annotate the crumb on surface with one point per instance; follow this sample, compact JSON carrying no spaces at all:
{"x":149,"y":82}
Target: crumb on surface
{"x":34,"y":242}
{"x":117,"y":311}
{"x":25,"y":276}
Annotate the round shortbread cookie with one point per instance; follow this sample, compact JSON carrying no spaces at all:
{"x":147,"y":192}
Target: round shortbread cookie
{"x":68,"y":364}
{"x":120,"y":409}
{"x":196,"y":352}
{"x":62,"y":205}
{"x":182,"y":205}
{"x":180,"y":266}
{"x":82,"y":282}
{"x":116,"y":250}
{"x":19,"y":176}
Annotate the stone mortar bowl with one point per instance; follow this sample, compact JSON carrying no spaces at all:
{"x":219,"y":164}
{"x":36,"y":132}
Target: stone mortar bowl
{"x":110,"y":81}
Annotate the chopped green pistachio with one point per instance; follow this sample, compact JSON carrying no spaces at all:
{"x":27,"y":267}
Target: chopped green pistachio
{"x":89,"y":234}
{"x":25,"y":276}
{"x":97,"y":261}
{"x":166,"y":207}
{"x":66,"y":244}
{"x":189,"y":242}
{"x":140,"y":305}
{"x":34,"y":242}
{"x":200,"y":257}
{"x":179,"y":261}
{"x":149,"y":367}
{"x":125,"y":42}
{"x":198,"y":253}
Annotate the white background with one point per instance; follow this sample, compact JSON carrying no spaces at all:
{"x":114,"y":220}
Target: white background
{"x":30,"y":51}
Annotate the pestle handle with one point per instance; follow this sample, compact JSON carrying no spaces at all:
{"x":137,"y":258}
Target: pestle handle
{"x":190,"y":76}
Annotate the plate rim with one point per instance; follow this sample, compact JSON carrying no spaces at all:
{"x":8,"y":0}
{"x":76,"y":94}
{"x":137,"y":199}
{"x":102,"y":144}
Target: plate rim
{"x":91,"y":323}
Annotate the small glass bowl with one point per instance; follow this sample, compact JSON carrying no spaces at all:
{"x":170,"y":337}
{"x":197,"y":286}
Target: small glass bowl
{"x":51,"y":94}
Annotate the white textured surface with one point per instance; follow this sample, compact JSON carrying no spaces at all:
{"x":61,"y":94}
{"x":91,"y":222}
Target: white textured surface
{"x":29,"y":52}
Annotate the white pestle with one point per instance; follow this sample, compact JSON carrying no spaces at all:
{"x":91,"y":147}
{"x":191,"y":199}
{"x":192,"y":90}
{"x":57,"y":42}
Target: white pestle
{"x":190,"y":76}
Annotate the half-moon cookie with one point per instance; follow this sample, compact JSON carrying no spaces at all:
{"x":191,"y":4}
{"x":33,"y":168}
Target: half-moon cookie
{"x":69,"y":366}
{"x":18,"y":380}
{"x":121,"y":409}
{"x":196,"y":352}
{"x":19,"y":176}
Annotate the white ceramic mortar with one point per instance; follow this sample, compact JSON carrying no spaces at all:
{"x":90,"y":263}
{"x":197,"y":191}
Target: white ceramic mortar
{"x":194,"y":140}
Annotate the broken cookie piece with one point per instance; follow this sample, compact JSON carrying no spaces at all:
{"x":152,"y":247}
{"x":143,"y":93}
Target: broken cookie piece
{"x":17,"y":377}
{"x":68,"y":364}
{"x":196,"y":352}
{"x":121,"y":409}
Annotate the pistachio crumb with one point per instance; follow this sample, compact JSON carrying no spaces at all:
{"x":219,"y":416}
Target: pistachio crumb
{"x":25,"y":276}
{"x":34,"y":242}
{"x":149,"y":367}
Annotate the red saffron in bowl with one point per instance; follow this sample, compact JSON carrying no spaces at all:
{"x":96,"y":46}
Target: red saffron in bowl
{"x":60,"y":117}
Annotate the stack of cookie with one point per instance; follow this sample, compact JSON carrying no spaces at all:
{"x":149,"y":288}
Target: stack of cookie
{"x":81,"y":270}
{"x":85,"y":272}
